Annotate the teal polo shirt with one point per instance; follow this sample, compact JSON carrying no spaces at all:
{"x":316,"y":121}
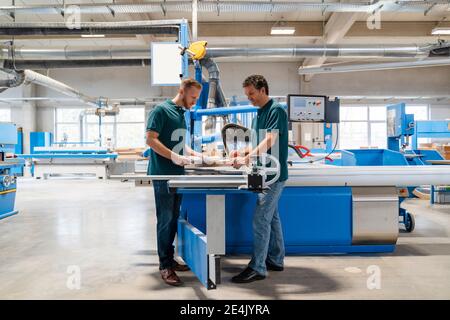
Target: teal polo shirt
{"x":164,"y":119}
{"x":272,"y":116}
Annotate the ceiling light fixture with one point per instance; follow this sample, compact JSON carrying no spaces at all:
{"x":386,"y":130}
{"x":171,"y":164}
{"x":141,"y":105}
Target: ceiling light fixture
{"x":92,"y":35}
{"x":282,"y":30}
{"x":440,"y":31}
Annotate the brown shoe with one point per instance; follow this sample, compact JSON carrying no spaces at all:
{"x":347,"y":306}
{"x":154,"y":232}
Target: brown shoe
{"x":180,"y":267}
{"x":170,"y":277}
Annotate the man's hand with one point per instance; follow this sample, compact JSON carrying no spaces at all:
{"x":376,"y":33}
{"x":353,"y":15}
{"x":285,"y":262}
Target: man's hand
{"x":181,"y":160}
{"x":207,"y":160}
{"x":240,"y":153}
{"x":234,"y":154}
{"x":240,"y":161}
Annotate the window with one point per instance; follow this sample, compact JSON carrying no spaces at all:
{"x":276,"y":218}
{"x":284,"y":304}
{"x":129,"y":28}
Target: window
{"x":352,"y":135}
{"x":93,"y":129}
{"x":5,"y":114}
{"x":67,"y":124}
{"x":130,"y":128}
{"x":365,"y":126}
{"x":420,"y":112}
{"x":127,"y":129}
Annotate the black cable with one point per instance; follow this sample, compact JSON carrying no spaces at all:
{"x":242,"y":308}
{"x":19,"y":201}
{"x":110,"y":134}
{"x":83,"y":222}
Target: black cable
{"x":334,"y":148}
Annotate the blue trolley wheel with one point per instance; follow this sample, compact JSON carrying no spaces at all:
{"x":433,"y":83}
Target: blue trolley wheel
{"x":410,"y":222}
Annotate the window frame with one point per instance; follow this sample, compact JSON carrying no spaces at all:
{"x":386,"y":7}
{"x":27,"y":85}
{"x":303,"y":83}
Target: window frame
{"x":114,"y":123}
{"x":9,"y":111}
{"x":369,"y":122}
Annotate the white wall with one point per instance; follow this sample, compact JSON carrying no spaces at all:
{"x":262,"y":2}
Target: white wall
{"x":401,"y":82}
{"x":45,"y":119}
{"x":134,"y":82}
{"x":283,"y":78}
{"x":123,"y":82}
{"x":439,"y":112}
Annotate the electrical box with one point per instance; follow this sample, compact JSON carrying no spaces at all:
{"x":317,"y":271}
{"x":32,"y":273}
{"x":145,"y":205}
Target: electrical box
{"x":305,"y":108}
{"x":332,"y":110}
{"x":167,"y":64}
{"x":8,"y":133}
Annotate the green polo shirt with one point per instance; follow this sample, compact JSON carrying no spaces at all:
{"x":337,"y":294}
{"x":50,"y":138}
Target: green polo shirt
{"x":165,"y":118}
{"x":272,"y":116}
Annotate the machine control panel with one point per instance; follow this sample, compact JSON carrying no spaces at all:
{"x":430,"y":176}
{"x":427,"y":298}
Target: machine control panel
{"x":306,"y":108}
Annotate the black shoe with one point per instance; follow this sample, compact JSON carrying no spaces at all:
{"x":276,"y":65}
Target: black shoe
{"x":248,"y":275}
{"x":273,"y":267}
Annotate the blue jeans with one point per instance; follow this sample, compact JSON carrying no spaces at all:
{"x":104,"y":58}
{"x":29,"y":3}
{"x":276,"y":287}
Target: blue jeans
{"x":167,"y":213}
{"x":268,"y":243}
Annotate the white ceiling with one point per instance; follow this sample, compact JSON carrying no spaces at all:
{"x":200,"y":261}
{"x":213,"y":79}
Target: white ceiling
{"x":436,"y":13}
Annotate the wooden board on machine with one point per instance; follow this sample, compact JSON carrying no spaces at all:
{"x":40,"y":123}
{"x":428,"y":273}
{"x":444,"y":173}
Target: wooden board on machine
{"x":129,"y":153}
{"x":444,"y":150}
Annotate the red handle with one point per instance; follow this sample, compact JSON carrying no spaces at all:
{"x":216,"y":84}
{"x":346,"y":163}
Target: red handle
{"x":306,"y":154}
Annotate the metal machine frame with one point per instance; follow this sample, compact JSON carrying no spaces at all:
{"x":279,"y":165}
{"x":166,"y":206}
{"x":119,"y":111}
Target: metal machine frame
{"x":8,"y":169}
{"x":325,"y":210}
{"x":402,"y":127}
{"x":430,"y":129}
{"x":53,"y":158}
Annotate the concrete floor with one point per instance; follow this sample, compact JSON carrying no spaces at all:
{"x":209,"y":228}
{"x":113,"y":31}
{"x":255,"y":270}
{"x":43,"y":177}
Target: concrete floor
{"x":105,"y":232}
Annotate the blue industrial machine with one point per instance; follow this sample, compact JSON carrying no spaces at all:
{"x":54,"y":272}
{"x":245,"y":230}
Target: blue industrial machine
{"x":40,"y":139}
{"x":382,"y":157}
{"x":324,"y":209}
{"x":401,"y":127}
{"x":18,"y":171}
{"x":317,"y":219}
{"x":19,"y":145}
{"x":59,"y":158}
{"x":437,"y":129}
{"x":8,"y":183}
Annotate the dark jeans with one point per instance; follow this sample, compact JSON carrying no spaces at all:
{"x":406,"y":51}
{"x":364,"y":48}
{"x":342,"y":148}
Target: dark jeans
{"x":167,"y":213}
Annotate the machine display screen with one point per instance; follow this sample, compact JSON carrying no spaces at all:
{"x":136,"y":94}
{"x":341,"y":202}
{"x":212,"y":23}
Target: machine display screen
{"x":306,"y":108}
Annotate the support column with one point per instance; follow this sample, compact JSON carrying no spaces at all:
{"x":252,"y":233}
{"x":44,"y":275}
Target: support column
{"x":25,"y":116}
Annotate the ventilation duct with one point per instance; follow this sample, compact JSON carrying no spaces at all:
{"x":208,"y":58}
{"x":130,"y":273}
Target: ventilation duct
{"x":58,"y":64}
{"x":156,"y":27}
{"x":431,"y":62}
{"x":327,"y":50}
{"x":216,"y":97}
{"x":29,"y":76}
{"x":143,"y":53}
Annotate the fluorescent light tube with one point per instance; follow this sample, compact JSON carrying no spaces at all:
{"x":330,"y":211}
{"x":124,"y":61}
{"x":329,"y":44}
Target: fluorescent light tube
{"x":92,"y":35}
{"x":440,"y":31}
{"x":282,"y":31}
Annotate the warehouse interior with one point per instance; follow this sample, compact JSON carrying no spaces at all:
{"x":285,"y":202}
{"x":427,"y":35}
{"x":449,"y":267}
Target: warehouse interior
{"x":366,"y":208}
